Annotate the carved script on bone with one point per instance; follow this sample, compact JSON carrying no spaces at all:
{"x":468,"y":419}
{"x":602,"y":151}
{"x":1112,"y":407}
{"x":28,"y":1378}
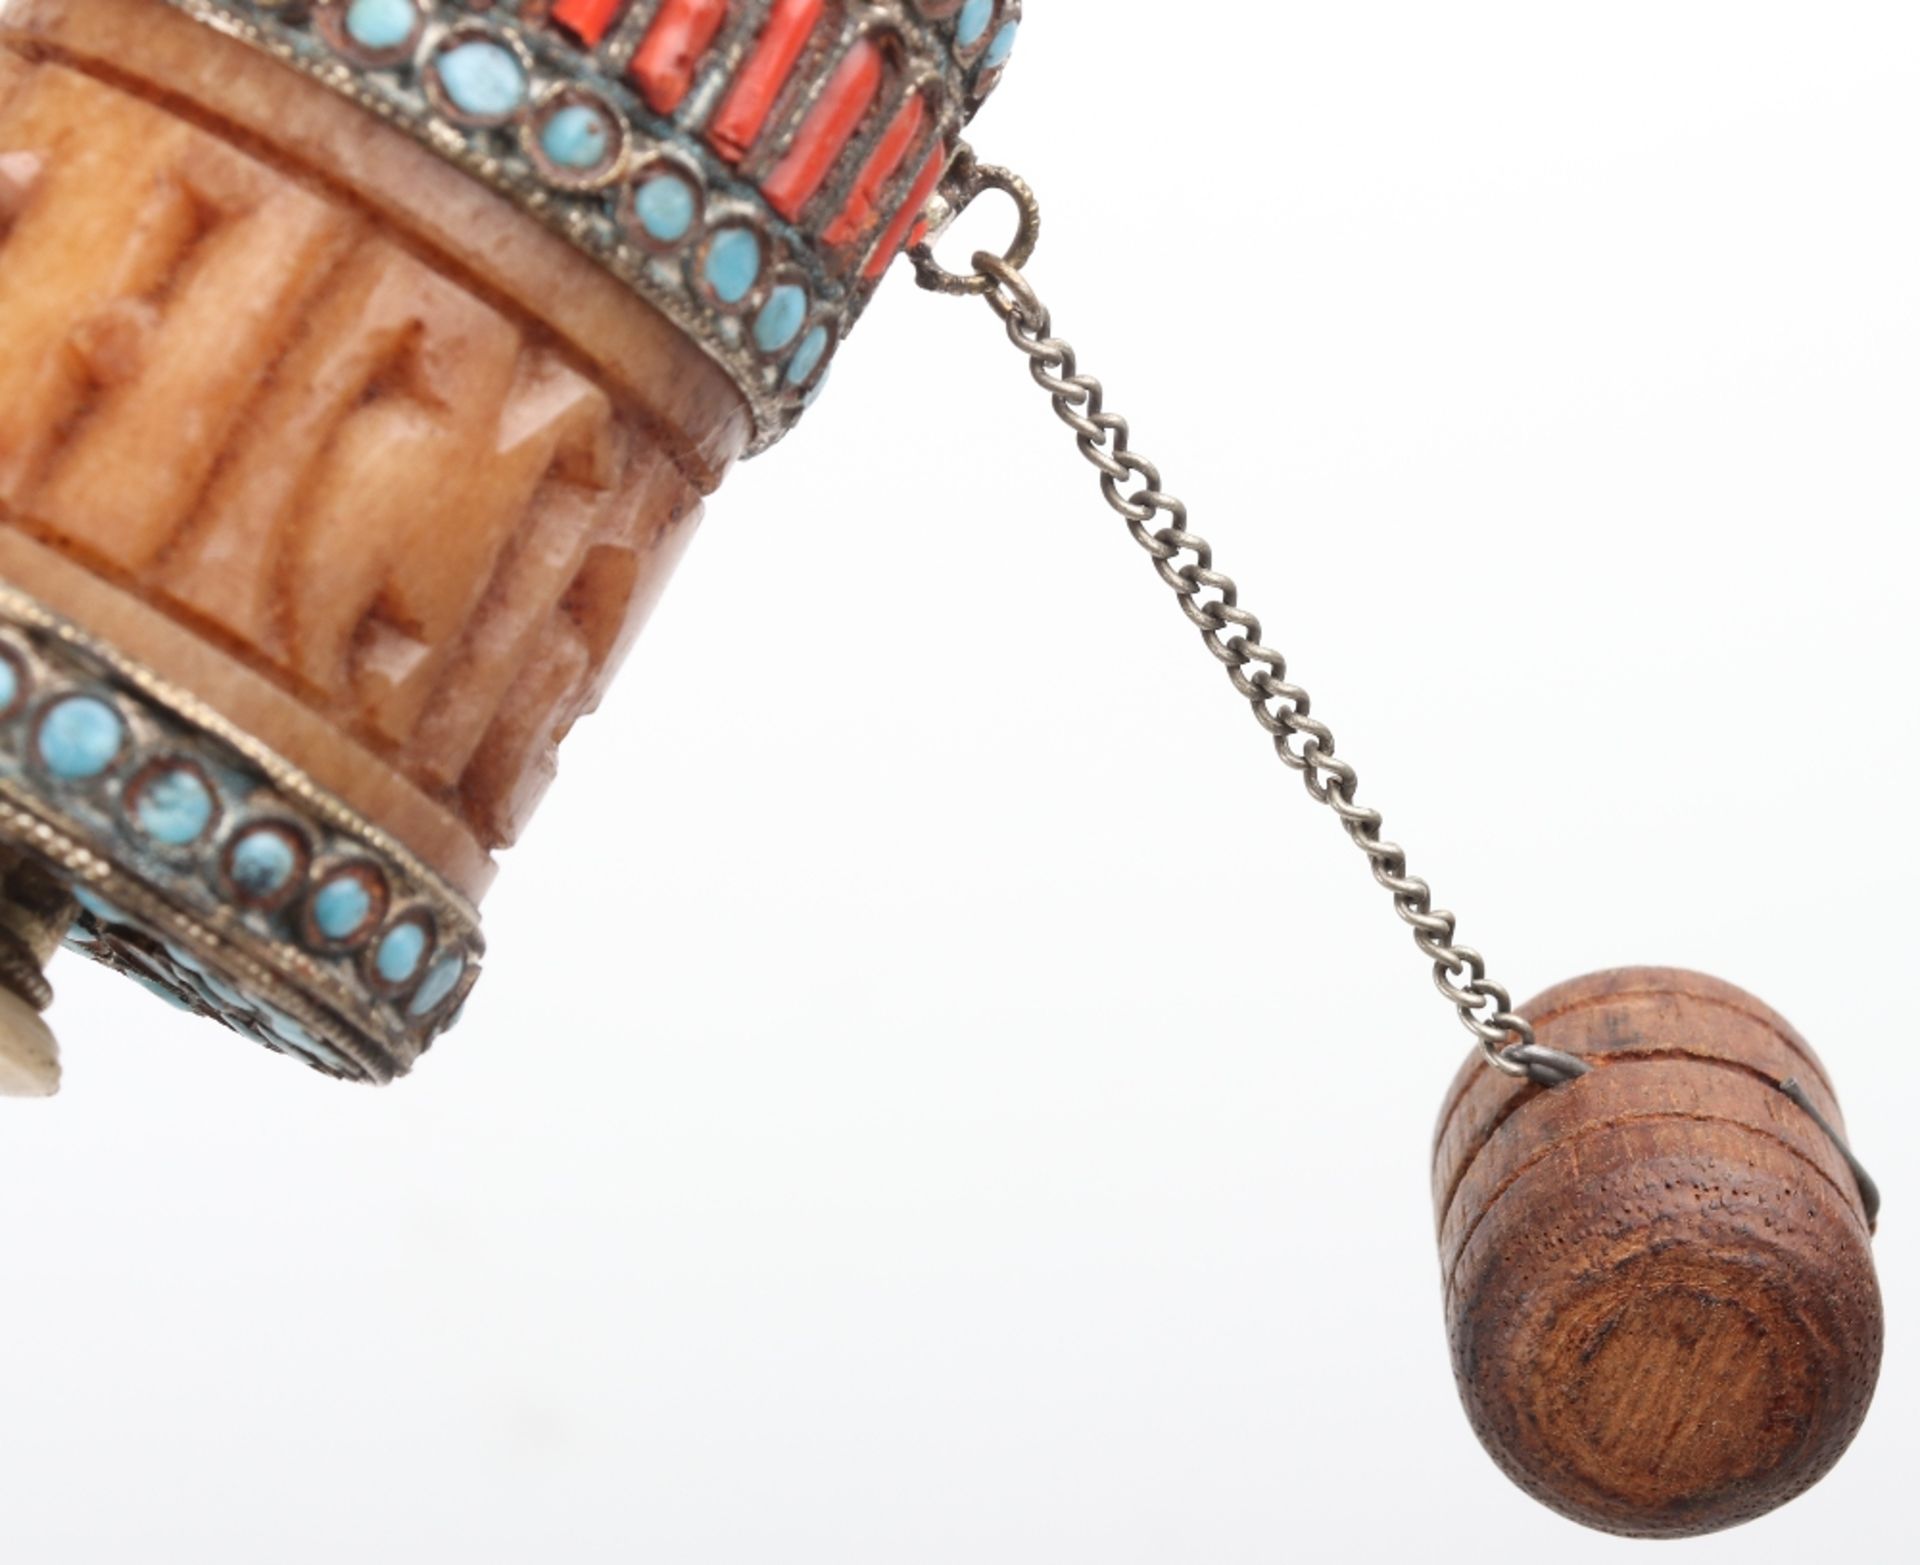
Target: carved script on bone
{"x":224,"y":387}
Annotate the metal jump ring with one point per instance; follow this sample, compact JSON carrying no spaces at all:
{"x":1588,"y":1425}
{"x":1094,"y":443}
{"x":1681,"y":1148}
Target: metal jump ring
{"x":964,"y":184}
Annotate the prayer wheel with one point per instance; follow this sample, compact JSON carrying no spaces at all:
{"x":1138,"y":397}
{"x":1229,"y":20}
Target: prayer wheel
{"x":364,"y":368}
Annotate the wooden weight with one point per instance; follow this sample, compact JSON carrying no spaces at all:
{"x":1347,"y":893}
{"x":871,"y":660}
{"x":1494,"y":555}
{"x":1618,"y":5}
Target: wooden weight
{"x":1659,"y":1279}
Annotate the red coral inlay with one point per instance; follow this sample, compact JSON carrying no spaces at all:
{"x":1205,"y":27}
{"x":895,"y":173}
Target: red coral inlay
{"x":909,"y":213}
{"x":587,"y":20}
{"x":829,"y":126}
{"x":861,"y":215}
{"x":744,"y":114}
{"x":664,"y":64}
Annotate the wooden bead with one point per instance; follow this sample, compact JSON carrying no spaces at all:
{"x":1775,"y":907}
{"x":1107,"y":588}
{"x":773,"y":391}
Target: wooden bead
{"x":1659,"y":1280}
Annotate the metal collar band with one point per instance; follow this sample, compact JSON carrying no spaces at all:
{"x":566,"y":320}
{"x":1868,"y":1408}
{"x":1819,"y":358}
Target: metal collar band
{"x":215,"y":872}
{"x":749,"y":167}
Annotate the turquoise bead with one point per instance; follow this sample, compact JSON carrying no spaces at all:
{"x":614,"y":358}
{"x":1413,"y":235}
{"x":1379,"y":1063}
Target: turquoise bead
{"x":807,"y":359}
{"x":214,"y":989}
{"x":314,"y":1049}
{"x":780,"y":318}
{"x":342,"y":907}
{"x":262,"y":863}
{"x":290,"y":1034}
{"x":223,"y":993}
{"x":666,"y":207}
{"x":577,"y":137}
{"x":733,"y":264}
{"x":381,"y":24}
{"x":103,"y":911}
{"x":174,"y":806}
{"x":441,"y":982}
{"x":80,"y":737}
{"x":165,"y":991}
{"x":402,"y":949}
{"x":483,"y":78}
{"x":1001,"y":49}
{"x":9,"y":683}
{"x":972,"y":26}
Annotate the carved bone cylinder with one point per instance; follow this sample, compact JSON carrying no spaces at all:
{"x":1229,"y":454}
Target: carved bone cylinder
{"x":364,"y":368}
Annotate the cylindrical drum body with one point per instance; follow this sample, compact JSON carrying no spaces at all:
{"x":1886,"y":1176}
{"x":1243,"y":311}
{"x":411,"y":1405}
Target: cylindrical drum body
{"x":1659,"y":1281}
{"x":363,"y":370}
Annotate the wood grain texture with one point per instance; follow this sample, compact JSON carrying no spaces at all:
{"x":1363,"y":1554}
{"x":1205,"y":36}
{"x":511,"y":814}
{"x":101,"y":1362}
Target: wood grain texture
{"x":1659,"y":1280}
{"x":347,"y":417}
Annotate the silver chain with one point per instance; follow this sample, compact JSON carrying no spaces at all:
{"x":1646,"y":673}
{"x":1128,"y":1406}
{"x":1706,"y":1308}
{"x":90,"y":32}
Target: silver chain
{"x":1209,"y":598}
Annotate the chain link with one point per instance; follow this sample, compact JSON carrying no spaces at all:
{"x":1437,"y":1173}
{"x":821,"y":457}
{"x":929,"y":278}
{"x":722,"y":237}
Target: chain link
{"x":1210,"y":599}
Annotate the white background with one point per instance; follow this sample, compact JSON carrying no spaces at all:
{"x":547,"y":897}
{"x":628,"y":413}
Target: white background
{"x":940,"y":1093}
